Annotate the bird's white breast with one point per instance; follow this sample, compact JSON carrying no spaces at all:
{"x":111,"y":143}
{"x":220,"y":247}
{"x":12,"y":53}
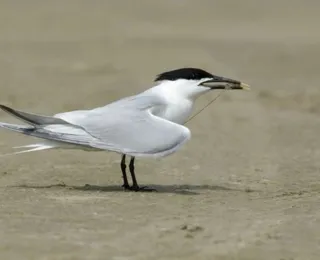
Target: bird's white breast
{"x":178,"y":101}
{"x":177,"y":112}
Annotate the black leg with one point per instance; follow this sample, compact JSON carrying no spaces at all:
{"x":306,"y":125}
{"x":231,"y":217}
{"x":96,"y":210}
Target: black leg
{"x":133,"y":175}
{"x":124,"y":174}
{"x":135,"y":185}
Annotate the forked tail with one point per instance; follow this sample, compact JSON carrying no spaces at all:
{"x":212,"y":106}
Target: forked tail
{"x":33,"y":120}
{"x":54,"y":132}
{"x":29,"y":148}
{"x":34,"y":147}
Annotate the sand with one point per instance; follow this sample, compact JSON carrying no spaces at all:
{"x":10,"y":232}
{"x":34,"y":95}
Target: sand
{"x":245,"y":187}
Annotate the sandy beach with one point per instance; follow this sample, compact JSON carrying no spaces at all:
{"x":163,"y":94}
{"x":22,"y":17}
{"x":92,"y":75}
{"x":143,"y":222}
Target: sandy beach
{"x":245,"y":187}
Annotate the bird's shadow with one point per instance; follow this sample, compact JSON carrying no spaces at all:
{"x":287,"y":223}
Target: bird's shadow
{"x":184,"y":189}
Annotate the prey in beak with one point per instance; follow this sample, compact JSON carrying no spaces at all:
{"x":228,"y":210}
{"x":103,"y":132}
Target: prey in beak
{"x":224,"y":83}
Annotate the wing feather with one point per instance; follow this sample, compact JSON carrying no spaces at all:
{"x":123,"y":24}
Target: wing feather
{"x":137,"y":134}
{"x":129,"y":127}
{"x":32,"y":119}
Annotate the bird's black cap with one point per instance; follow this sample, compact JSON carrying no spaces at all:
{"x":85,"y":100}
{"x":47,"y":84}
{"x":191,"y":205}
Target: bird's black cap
{"x":184,"y":73}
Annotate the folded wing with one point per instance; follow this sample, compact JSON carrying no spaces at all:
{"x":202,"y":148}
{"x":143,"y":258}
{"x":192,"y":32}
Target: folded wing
{"x":136,"y":133}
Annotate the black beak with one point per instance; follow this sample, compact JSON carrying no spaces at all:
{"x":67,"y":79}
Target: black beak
{"x":224,"y":83}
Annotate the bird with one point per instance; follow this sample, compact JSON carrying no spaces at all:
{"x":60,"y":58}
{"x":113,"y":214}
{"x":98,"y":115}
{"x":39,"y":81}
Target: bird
{"x":148,"y":124}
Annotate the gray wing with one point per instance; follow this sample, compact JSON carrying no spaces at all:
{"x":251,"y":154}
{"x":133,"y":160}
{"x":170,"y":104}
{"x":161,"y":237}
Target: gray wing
{"x":32,"y":119}
{"x":135,"y":132}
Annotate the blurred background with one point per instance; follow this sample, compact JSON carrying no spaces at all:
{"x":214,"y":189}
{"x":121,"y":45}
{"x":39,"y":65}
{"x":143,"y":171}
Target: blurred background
{"x":246,"y":186}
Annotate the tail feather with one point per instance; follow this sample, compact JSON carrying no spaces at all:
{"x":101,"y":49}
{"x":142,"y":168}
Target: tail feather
{"x":70,"y":135}
{"x":34,"y":147}
{"x":53,"y":129}
{"x":27,"y":146}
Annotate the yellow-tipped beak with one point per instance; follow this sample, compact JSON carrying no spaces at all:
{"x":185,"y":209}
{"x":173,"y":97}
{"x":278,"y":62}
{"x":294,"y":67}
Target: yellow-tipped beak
{"x":245,"y":86}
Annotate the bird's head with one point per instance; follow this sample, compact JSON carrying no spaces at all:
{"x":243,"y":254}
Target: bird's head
{"x":193,"y":82}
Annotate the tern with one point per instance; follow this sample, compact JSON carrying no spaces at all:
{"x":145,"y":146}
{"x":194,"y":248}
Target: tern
{"x":149,"y":124}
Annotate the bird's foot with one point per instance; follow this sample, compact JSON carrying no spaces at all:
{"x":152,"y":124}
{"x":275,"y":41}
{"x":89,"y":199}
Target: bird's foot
{"x":143,"y":189}
{"x":126,"y":186}
{"x":137,"y":188}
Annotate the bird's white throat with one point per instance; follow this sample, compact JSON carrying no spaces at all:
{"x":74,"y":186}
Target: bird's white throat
{"x":180,"y":96}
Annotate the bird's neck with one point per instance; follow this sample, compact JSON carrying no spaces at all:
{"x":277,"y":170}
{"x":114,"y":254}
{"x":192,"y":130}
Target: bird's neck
{"x":177,"y":109}
{"x":171,"y":92}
